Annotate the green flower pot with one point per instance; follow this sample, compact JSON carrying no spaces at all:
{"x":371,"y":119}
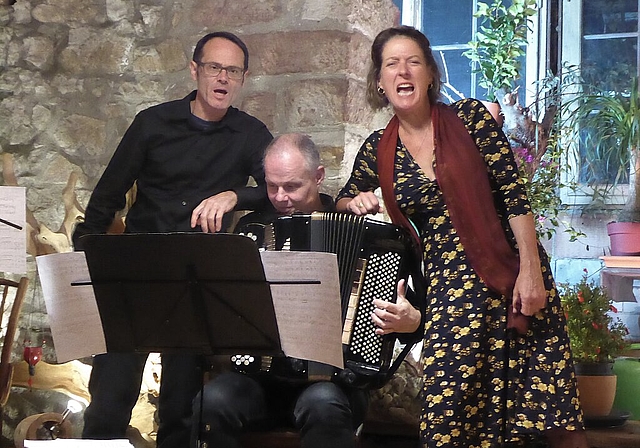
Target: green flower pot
{"x":627,"y":397}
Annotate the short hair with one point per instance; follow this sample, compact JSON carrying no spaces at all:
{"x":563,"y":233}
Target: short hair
{"x":197,"y":52}
{"x":376,"y":99}
{"x":302,"y":142}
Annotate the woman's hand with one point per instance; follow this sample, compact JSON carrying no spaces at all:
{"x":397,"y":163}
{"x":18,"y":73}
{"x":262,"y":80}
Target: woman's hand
{"x":529,"y":294}
{"x":399,"y":317}
{"x":366,"y":203}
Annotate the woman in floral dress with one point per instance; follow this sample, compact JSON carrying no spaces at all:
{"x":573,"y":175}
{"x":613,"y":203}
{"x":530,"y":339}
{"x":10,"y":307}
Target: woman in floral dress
{"x":496,"y":357}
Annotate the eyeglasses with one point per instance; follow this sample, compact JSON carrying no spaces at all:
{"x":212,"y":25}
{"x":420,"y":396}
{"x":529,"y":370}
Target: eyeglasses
{"x":214,"y":69}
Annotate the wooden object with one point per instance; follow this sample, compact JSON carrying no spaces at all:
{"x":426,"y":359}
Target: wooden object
{"x":18,"y":290}
{"x":35,"y":427}
{"x":70,"y":378}
{"x":625,"y":436}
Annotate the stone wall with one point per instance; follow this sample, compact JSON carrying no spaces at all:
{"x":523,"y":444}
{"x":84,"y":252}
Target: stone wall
{"x":73,"y":74}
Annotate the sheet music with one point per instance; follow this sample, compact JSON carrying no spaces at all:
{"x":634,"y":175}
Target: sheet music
{"x":77,"y":443}
{"x":13,"y":234}
{"x":73,"y":313}
{"x":308,"y":315}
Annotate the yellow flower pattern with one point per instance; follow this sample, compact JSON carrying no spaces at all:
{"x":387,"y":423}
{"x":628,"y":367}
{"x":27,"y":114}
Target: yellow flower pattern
{"x":483,"y":386}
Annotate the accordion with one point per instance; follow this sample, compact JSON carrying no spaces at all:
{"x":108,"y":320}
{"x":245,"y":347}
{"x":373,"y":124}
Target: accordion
{"x":372,"y":257}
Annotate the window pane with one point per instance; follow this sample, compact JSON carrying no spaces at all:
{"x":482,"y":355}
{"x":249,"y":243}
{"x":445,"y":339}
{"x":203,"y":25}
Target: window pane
{"x":398,"y":3}
{"x":458,"y":69}
{"x":609,"y":16}
{"x":447,"y":23}
{"x":449,"y":26}
{"x":599,"y":170}
{"x":609,"y":64}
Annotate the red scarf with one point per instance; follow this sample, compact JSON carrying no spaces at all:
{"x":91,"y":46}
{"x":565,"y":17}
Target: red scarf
{"x":461,"y":173}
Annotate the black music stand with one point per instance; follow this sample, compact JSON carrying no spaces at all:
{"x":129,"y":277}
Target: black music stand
{"x":193,"y":292}
{"x":10,"y":224}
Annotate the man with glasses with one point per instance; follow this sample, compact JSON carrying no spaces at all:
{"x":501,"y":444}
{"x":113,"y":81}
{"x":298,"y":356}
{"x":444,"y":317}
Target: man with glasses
{"x":191,"y":160}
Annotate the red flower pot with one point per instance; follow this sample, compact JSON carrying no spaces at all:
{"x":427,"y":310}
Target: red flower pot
{"x":624,"y":238}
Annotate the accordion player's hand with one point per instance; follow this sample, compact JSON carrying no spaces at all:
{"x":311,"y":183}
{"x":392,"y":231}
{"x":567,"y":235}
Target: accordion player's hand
{"x":365,"y":203}
{"x":398,"y":317}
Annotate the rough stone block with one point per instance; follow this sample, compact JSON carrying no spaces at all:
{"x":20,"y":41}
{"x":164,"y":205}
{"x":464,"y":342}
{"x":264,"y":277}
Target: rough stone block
{"x":95,"y":52}
{"x":80,"y":135}
{"x":70,"y":11}
{"x":118,"y":10}
{"x":153,"y":22}
{"x":315,"y":102}
{"x":358,"y":110}
{"x":39,"y":52}
{"x":167,"y":56}
{"x":261,"y":105}
{"x":322,"y":51}
{"x":332,"y":157}
{"x":212,"y":13}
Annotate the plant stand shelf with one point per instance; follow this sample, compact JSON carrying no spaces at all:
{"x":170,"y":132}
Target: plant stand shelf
{"x":625,"y":436}
{"x":619,"y":282}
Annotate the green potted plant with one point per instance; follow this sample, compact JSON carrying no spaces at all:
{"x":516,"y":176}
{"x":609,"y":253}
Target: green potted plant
{"x":612,"y":139}
{"x":596,"y":340}
{"x":497,"y":53}
{"x":500,"y":44}
{"x":540,"y":152}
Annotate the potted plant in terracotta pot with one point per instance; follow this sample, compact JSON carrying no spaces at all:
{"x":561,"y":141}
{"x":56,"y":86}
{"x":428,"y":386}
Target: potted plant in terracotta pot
{"x":596,"y":340}
{"x":612,"y":139}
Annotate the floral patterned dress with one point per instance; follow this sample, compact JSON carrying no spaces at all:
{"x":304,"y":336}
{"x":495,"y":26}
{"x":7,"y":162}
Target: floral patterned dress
{"x":483,"y":385}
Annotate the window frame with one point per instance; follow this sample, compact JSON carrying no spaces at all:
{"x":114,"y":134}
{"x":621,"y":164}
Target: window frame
{"x":537,"y":65}
{"x":571,"y":54}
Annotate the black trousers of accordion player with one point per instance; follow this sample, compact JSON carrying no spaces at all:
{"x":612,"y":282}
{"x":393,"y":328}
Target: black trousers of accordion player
{"x":325,"y":413}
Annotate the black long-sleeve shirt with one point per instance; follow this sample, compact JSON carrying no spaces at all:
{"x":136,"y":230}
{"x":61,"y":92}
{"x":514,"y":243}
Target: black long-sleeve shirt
{"x":178,"y":160}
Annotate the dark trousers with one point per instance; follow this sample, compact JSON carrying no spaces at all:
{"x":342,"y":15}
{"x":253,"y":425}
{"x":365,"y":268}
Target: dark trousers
{"x":115,"y":386}
{"x":325,"y":414}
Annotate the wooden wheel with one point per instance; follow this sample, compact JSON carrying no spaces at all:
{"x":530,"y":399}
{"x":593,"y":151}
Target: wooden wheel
{"x":41,"y":427}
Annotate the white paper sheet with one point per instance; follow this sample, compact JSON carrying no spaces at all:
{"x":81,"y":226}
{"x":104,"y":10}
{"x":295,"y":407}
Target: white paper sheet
{"x":77,"y":443}
{"x":13,"y":234}
{"x":308,"y":315}
{"x":73,"y":313}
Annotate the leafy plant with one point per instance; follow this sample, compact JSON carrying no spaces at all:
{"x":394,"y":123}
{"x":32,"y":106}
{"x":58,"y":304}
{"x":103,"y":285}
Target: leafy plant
{"x":540,"y":154}
{"x":595,"y":336}
{"x":543,"y":181}
{"x":610,"y":132}
{"x":500,"y":43}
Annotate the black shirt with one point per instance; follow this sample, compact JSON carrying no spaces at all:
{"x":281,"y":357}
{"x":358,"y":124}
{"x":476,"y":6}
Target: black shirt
{"x":178,"y":160}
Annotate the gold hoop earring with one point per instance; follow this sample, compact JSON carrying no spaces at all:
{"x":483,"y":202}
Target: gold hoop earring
{"x":430,"y":86}
{"x":380,"y":90}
